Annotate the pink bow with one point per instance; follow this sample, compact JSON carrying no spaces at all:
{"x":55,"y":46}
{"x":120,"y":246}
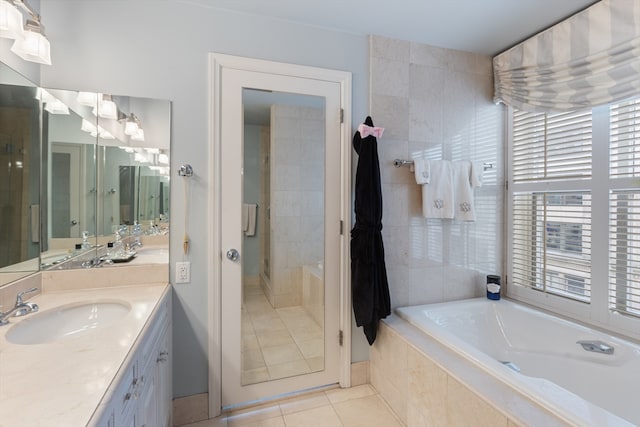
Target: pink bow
{"x":366,"y":131}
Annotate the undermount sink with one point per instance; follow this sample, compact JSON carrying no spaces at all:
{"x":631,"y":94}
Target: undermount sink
{"x":66,"y":322}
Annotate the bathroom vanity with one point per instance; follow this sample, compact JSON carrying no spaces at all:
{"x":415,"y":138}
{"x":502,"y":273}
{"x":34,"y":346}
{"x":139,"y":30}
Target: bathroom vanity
{"x":62,"y":367}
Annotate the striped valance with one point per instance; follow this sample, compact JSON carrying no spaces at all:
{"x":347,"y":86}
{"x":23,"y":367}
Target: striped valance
{"x":589,"y":59}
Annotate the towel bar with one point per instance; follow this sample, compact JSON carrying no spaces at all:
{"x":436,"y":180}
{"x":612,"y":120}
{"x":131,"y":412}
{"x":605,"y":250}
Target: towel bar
{"x":408,"y":163}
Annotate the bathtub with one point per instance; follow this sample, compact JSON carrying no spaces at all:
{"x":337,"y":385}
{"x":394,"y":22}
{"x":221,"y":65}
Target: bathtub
{"x":538,"y":355}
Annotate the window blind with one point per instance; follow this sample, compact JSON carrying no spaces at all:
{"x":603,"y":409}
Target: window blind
{"x":551,"y":146}
{"x":551,"y":242}
{"x":551,"y":229}
{"x":624,"y":208}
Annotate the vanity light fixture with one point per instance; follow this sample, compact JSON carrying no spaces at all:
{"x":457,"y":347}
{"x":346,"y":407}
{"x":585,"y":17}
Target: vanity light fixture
{"x":131,"y":125}
{"x":106,"y":108}
{"x":56,"y":107}
{"x":30,"y":42}
{"x":89,"y":99}
{"x":33,"y":46}
{"x":133,"y":128}
{"x":52,"y":104}
{"x":87,"y":126}
{"x":105,"y":134}
{"x":10,"y":20}
{"x":139,"y":136}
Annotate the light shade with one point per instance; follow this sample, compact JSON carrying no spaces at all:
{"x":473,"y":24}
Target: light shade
{"x":10,"y":21}
{"x":139,"y":136}
{"x":88,"y":98}
{"x":131,"y":127}
{"x":33,"y":47}
{"x":105,"y":134}
{"x":87,"y":126}
{"x":56,"y":107}
{"x":106,"y":108}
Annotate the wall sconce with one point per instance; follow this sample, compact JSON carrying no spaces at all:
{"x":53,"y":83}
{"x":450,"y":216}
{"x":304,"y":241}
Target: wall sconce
{"x":30,"y":42}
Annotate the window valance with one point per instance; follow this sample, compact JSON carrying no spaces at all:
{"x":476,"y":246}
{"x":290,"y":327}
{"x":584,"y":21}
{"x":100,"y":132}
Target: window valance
{"x":589,"y":59}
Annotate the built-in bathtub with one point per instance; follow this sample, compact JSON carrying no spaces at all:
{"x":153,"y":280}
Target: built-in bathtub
{"x":538,"y":356}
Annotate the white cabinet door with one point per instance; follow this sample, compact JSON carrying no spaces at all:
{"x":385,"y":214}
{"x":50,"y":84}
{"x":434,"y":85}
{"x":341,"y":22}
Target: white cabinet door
{"x":148,"y":403}
{"x":164,"y":385}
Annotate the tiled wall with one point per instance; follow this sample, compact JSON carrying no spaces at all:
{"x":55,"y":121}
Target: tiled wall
{"x":436,"y":103}
{"x":297,"y":197}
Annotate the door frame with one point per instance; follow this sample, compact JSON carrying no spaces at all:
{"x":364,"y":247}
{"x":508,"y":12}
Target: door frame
{"x":217,"y":64}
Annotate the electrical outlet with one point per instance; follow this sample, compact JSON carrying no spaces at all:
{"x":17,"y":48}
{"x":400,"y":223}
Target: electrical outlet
{"x":183,"y":272}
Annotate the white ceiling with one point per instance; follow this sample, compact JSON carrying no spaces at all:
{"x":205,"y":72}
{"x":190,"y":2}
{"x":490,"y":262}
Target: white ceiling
{"x":482,"y":26}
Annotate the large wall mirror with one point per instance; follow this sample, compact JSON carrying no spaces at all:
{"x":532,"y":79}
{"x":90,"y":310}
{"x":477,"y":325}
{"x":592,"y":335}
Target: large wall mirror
{"x":83,"y":170}
{"x":19,"y":176}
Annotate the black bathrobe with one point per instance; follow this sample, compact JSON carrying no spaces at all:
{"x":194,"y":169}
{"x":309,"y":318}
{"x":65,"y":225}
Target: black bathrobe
{"x":370,"y":290}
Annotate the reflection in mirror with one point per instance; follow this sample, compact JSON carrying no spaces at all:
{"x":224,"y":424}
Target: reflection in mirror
{"x":19,"y":176}
{"x":283,"y":235}
{"x":107,"y":175}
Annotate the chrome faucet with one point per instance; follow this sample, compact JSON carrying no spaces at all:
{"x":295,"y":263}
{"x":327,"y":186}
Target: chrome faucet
{"x":20,"y":308}
{"x":96,"y":262}
{"x":137,"y":232}
{"x":596,"y":346}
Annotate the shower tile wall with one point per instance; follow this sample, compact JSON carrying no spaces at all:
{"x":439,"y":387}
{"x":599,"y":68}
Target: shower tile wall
{"x":297,"y":196}
{"x":436,"y":103}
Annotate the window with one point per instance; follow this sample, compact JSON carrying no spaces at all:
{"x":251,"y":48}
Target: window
{"x":551,"y":227}
{"x":574,"y":176}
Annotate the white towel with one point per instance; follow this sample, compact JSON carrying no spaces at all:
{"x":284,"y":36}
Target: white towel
{"x":477,"y":171}
{"x":249,"y":211}
{"x":422,"y":171}
{"x":466,"y":176}
{"x":437,"y":194}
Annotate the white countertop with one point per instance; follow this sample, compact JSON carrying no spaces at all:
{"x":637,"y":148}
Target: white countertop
{"x":62,"y":383}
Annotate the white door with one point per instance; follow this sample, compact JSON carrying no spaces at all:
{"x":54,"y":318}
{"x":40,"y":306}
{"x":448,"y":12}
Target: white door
{"x":280,"y":236}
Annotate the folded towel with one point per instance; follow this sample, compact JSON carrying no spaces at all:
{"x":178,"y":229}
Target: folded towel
{"x":422,"y":171}
{"x":466,"y":176}
{"x":477,"y":170}
{"x":437,"y":194}
{"x":249,"y":211}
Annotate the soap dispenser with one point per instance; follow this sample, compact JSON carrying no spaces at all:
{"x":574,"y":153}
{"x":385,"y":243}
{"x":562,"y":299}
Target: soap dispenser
{"x":493,"y":287}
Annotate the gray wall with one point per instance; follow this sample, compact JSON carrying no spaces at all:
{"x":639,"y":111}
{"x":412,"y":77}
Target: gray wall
{"x":158,"y":49}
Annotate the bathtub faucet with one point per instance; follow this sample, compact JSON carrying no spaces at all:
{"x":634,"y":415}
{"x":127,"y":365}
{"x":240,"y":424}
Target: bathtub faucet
{"x":596,"y":346}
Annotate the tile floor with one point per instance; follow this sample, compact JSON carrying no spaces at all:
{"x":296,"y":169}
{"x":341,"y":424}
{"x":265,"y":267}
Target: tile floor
{"x":277,"y":343}
{"x":359,"y":406}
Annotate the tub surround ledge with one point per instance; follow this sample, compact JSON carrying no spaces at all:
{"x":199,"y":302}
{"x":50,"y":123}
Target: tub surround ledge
{"x":428,"y":384}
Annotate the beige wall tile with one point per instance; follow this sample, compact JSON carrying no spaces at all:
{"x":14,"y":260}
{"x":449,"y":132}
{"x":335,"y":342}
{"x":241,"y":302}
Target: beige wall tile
{"x":427,"y":389}
{"x":464,"y":407}
{"x":383,"y":47}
